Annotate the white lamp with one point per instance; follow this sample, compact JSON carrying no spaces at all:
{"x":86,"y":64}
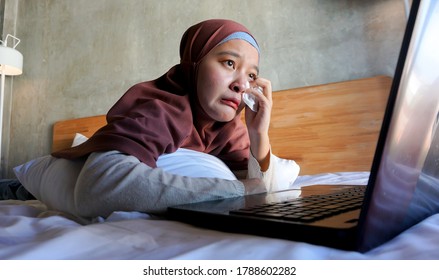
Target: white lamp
{"x":11,"y":64}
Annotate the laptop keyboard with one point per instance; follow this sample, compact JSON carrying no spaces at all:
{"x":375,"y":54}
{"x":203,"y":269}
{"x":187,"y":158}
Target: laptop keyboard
{"x":310,"y":208}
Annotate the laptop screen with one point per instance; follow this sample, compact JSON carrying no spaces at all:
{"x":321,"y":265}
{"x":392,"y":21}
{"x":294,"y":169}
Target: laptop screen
{"x":406,"y":181}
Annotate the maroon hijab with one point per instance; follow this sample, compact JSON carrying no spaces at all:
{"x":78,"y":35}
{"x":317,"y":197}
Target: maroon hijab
{"x":160,"y":116}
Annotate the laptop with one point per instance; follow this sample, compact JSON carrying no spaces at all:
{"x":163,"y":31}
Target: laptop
{"x":403,"y":187}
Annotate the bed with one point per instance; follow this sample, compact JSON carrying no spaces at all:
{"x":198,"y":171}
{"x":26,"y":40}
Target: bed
{"x":329,"y":130}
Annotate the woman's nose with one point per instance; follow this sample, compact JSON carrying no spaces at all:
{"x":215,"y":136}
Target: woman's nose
{"x":239,"y":85}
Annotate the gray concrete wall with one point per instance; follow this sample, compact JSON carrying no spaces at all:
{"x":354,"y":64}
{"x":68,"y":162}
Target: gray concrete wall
{"x":80,"y":56}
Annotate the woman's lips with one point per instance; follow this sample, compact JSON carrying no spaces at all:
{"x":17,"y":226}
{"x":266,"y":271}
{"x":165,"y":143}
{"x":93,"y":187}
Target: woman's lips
{"x":232,"y":102}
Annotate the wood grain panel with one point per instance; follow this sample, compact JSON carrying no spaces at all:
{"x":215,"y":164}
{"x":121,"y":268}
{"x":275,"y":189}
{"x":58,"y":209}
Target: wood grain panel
{"x":332,"y":127}
{"x":64,"y":131}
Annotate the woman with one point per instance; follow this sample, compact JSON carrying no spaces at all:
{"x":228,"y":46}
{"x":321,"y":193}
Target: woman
{"x":196,"y":105}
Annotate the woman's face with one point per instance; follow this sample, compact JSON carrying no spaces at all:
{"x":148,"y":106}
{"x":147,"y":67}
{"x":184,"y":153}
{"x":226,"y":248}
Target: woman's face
{"x":223,"y":76}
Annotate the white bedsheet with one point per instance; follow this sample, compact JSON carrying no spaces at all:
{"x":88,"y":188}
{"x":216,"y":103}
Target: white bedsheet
{"x":29,"y":231}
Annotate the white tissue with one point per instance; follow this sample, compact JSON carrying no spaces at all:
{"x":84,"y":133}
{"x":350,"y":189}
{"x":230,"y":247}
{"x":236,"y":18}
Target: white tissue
{"x":250,"y":100}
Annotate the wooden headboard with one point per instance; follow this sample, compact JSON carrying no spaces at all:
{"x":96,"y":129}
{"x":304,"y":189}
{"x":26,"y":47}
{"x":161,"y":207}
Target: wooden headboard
{"x":325,"y":128}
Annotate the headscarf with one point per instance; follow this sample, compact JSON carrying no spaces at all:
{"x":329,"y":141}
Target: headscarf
{"x":159,"y":116}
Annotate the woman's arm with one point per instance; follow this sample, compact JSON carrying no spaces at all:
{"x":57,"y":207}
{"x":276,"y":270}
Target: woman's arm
{"x":260,"y":164}
{"x":258,"y":123}
{"x":113,"y":181}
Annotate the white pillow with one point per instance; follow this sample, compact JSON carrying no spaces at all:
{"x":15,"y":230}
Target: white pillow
{"x":79,"y":139}
{"x":191,"y":163}
{"x":52,"y":180}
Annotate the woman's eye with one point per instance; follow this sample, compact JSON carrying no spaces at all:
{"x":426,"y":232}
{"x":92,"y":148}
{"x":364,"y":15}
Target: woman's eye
{"x":253,"y":76}
{"x":230,"y":63}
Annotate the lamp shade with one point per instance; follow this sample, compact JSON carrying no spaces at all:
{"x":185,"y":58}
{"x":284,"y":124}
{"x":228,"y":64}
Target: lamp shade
{"x":11,"y":61}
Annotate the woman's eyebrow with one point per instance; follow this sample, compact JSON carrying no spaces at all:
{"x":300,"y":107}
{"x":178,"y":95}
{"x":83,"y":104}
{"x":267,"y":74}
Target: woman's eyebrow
{"x":228,"y":53}
{"x":234,"y":54}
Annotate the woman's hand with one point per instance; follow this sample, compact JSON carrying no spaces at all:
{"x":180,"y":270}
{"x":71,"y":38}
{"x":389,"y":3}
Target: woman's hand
{"x":258,"y":122}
